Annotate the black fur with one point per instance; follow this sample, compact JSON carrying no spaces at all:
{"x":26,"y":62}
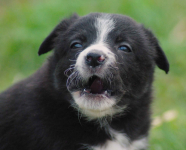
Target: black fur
{"x":36,"y":113}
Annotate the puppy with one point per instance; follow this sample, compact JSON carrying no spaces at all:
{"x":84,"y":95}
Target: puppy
{"x":93,"y":93}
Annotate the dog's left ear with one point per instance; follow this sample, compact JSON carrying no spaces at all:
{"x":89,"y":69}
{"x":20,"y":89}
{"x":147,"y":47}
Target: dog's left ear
{"x":48,"y":43}
{"x":160,"y":58}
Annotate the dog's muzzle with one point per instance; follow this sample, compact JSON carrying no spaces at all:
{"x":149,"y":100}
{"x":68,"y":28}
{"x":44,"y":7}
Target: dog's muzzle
{"x":93,"y":82}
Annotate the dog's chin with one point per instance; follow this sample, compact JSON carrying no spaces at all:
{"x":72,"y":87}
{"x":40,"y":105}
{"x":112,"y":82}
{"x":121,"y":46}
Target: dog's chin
{"x":96,"y":106}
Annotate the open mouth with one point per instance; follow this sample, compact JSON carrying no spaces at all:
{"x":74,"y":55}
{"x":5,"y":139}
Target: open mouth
{"x":97,"y":87}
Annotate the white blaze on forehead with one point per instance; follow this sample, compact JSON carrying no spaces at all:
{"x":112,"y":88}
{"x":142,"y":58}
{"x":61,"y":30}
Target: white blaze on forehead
{"x":104,"y":25}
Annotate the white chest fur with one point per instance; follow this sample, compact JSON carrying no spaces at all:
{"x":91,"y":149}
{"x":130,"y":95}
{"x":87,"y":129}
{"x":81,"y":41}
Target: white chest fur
{"x":121,"y":142}
{"x":110,"y":145}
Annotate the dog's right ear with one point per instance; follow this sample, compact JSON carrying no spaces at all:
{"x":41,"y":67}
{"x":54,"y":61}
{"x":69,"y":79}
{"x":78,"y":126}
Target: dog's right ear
{"x":48,"y":43}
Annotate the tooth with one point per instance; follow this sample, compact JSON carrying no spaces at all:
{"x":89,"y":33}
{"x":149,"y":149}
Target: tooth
{"x":109,"y":92}
{"x":105,"y":92}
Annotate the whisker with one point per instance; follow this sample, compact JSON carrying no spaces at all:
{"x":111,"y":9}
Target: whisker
{"x":120,"y":63}
{"x":113,"y":67}
{"x":72,"y":65}
{"x":78,"y":53}
{"x":69,"y":80}
{"x":67,"y":70}
{"x":71,"y":60}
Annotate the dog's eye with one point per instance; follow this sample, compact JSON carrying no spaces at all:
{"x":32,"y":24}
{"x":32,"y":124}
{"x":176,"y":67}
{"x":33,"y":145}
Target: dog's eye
{"x":76,"y":45}
{"x":124,"y":48}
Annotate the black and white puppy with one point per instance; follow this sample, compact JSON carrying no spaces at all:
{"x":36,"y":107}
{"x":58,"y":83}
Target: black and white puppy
{"x":93,"y":93}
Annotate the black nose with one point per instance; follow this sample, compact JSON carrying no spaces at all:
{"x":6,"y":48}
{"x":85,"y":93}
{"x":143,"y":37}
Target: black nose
{"x":94,"y":59}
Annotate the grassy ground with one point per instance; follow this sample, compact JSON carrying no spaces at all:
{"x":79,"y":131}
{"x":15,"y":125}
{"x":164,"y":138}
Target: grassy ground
{"x":24,"y":24}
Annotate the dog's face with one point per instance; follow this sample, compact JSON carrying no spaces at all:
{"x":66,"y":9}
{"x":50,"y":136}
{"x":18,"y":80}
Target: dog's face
{"x":108,"y":59}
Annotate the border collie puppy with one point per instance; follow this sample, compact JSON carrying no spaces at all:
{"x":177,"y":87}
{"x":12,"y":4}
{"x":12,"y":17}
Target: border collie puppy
{"x":93,"y":93}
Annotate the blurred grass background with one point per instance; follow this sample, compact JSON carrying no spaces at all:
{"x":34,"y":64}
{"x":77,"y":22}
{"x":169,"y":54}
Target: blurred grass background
{"x":24,"y":24}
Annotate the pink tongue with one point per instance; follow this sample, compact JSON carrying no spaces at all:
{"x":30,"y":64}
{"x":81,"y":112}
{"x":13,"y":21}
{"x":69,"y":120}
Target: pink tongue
{"x":97,"y":86}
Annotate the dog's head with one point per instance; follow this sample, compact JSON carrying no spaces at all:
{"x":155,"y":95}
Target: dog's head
{"x":108,"y":60}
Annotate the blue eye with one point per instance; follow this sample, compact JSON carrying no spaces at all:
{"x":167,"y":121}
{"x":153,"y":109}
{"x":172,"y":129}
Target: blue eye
{"x":76,"y":45}
{"x":124,"y":48}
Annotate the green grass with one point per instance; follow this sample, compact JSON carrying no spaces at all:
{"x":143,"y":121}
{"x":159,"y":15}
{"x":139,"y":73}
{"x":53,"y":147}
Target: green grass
{"x":24,"y":24}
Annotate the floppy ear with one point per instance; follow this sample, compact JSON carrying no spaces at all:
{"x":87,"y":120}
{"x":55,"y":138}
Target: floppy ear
{"x":48,"y":43}
{"x":160,"y":58}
